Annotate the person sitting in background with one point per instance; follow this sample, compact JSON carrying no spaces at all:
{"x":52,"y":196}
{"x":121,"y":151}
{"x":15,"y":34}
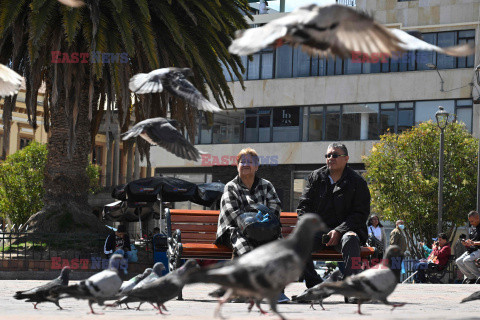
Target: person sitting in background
{"x":118,"y":242}
{"x":437,"y":260}
{"x":466,"y":262}
{"x":376,"y":229}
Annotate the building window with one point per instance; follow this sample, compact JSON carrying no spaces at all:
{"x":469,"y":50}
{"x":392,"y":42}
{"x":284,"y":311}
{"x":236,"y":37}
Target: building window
{"x":24,"y":142}
{"x":228,"y":126}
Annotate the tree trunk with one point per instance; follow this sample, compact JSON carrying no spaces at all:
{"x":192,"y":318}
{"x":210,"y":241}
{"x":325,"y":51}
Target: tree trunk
{"x":66,"y":207}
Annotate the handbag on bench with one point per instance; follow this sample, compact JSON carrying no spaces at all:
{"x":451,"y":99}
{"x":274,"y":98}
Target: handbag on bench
{"x":260,"y":227}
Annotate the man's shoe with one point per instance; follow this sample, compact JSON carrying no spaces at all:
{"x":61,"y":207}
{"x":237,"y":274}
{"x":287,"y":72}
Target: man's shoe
{"x":351,"y":300}
{"x":217,"y":293}
{"x":283,"y":298}
{"x":469,"y":281}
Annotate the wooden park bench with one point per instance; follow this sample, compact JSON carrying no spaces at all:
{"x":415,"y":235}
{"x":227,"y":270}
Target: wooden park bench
{"x":191,"y":234}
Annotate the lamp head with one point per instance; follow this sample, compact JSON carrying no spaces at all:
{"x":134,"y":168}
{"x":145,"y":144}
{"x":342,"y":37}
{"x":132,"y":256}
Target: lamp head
{"x":444,"y":118}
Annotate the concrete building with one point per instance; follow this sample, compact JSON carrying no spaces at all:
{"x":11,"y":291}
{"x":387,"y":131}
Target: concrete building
{"x":295,"y":105}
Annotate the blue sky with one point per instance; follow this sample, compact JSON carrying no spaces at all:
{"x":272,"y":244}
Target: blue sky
{"x":292,"y":4}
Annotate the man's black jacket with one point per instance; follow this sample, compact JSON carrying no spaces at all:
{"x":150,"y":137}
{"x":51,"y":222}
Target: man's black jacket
{"x":351,"y":199}
{"x":110,"y":243}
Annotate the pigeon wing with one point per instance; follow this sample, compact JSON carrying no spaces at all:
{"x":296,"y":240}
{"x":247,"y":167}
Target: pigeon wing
{"x":146,"y":83}
{"x":104,"y":284}
{"x":473,"y":296}
{"x":409,"y":42}
{"x":168,"y":137}
{"x":10,"y":81}
{"x":179,"y":86}
{"x":255,"y":39}
{"x":355,"y":31}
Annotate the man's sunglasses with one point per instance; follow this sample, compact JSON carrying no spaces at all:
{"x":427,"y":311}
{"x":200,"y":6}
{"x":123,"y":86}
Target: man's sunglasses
{"x":334,"y":155}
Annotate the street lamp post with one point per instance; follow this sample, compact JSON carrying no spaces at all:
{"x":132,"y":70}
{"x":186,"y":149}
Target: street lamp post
{"x":443,"y":118}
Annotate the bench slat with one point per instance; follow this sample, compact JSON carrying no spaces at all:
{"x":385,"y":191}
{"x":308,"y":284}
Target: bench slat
{"x":192,"y":219}
{"x":194,"y":227}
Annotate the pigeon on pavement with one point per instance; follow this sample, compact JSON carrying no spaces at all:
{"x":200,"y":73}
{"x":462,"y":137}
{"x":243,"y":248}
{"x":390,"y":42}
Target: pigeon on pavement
{"x":334,"y":30}
{"x":41,"y":294}
{"x":265,"y":271}
{"x":315,"y":293}
{"x":372,"y":284}
{"x":98,"y":288}
{"x":162,"y":132}
{"x":473,"y":296}
{"x":163,"y":289}
{"x":157,"y":273}
{"x":127,"y":286}
{"x":10,"y":81}
{"x":174,"y":80}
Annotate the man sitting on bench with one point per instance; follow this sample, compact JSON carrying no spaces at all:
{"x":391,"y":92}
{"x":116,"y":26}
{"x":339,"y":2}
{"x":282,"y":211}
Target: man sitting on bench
{"x":340,"y":196}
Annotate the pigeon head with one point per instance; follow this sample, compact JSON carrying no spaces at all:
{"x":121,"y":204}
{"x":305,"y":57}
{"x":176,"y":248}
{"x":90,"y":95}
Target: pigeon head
{"x":187,"y":72}
{"x":158,"y":268}
{"x":116,"y":262}
{"x":394,"y":257}
{"x":65,"y":274}
{"x":147,"y":272}
{"x":189,"y":265}
{"x":304,"y":232}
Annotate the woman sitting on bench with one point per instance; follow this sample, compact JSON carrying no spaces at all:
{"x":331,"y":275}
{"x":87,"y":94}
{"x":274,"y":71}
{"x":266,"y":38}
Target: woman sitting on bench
{"x":241,"y":195}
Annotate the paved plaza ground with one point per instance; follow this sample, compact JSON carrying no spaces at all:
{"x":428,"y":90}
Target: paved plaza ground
{"x":425,"y":301}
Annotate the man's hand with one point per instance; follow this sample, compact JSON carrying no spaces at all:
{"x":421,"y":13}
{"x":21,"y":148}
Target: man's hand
{"x":421,"y":244}
{"x":335,"y":237}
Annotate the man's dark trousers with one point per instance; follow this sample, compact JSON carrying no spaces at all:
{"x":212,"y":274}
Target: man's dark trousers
{"x":349,"y":246}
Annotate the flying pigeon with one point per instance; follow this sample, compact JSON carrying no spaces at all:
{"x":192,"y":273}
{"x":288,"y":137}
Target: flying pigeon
{"x":371,"y":284}
{"x":174,"y":80}
{"x":41,"y":293}
{"x":10,"y":81}
{"x":98,"y":288}
{"x":162,"y":132}
{"x":316,"y":293}
{"x":265,"y":271}
{"x":163,"y":289}
{"x":333,"y":30}
{"x":72,"y":3}
{"x":473,"y":296}
{"x":157,"y":273}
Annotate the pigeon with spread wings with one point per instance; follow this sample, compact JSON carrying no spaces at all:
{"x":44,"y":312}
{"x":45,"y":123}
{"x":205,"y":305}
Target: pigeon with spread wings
{"x":334,"y":30}
{"x":162,"y":132}
{"x":175,"y":82}
{"x":10,"y":81}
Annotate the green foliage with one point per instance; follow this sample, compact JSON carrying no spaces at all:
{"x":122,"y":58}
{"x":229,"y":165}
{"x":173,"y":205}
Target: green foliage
{"x":402,"y":171}
{"x":21,"y":182}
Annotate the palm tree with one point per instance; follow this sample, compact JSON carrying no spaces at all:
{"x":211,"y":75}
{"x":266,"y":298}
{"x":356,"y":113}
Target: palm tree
{"x":35,"y":34}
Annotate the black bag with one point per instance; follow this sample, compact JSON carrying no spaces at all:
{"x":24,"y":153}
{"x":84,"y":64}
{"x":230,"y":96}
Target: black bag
{"x":119,"y":192}
{"x":259,"y":227}
{"x":372,"y":241}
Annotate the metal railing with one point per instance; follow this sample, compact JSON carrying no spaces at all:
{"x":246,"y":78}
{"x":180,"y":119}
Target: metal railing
{"x":45,"y":246}
{"x":350,"y":3}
